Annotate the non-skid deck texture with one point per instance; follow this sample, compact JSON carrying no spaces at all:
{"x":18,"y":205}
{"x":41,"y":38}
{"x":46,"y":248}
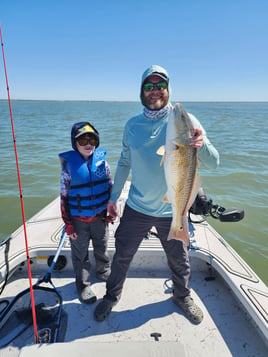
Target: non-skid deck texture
{"x":146,"y":308}
{"x":146,"y":305}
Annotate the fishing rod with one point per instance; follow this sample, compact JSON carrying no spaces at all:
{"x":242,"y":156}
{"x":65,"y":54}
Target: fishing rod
{"x":21,"y":197}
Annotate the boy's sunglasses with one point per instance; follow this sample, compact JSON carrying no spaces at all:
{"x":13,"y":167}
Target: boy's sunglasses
{"x":149,"y":87}
{"x":87,"y":140}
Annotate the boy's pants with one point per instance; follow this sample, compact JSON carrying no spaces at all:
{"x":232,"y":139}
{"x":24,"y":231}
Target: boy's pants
{"x":86,"y":231}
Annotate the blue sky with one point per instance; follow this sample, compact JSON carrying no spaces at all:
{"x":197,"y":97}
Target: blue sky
{"x":214,"y":50}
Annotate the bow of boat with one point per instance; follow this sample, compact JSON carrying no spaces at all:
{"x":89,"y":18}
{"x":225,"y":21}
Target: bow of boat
{"x":145,"y":321}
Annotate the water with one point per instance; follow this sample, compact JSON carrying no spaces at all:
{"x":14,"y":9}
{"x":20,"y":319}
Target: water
{"x":238,"y":130}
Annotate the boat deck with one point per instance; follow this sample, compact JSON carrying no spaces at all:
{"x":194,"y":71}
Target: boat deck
{"x":146,"y":308}
{"x":145,"y":321}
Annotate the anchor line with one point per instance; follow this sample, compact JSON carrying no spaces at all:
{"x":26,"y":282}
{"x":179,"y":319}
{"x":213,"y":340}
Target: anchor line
{"x":21,"y":197}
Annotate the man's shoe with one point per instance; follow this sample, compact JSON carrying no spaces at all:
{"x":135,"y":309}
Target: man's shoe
{"x":187,"y":304}
{"x":87,"y":295}
{"x":103,"y":309}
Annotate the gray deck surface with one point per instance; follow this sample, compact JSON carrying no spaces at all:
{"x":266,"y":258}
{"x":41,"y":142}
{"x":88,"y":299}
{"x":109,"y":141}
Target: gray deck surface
{"x":146,"y":307}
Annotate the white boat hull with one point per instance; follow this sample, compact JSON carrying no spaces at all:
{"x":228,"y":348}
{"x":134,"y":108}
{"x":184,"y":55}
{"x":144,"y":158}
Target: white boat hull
{"x":233,"y":298}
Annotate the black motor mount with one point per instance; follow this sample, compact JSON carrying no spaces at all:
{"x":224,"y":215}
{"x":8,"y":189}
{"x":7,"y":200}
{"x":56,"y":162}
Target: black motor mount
{"x":205,"y":207}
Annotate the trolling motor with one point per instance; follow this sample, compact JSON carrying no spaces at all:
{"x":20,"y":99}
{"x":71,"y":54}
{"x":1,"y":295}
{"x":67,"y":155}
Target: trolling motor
{"x":205,"y":207}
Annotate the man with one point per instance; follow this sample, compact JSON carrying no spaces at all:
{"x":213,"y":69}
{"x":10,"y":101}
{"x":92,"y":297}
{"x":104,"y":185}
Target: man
{"x":144,"y":208}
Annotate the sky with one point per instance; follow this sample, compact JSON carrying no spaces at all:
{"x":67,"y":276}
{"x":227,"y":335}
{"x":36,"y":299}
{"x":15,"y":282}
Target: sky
{"x":213,"y":50}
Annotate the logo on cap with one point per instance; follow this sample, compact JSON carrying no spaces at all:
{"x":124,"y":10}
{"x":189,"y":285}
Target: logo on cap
{"x":85,"y":129}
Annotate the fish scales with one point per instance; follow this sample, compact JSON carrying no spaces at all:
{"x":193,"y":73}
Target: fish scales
{"x":184,"y":159}
{"x":181,"y":171}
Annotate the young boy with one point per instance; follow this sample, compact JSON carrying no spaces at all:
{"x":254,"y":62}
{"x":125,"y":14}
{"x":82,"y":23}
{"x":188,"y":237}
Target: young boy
{"x":85,"y":187}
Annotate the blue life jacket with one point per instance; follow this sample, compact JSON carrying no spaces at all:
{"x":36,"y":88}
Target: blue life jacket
{"x":89,"y":188}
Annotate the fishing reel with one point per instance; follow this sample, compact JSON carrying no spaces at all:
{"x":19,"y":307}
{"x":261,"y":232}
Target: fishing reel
{"x":205,"y":207}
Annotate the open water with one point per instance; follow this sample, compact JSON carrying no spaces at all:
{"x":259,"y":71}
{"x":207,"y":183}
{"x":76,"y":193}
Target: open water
{"x":238,"y":130}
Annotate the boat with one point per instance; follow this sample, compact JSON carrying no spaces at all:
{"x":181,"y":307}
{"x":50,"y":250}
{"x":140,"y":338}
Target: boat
{"x":145,"y":322}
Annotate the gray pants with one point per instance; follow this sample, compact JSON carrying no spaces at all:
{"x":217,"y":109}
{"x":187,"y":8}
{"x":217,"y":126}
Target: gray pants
{"x":95,"y":231}
{"x":133,"y":227}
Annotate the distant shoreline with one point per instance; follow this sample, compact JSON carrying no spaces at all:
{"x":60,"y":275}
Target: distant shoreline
{"x":131,"y":101}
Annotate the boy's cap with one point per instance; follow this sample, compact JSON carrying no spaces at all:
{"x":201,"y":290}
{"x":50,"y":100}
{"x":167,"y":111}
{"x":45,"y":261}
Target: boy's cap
{"x":84,"y":130}
{"x":81,"y":128}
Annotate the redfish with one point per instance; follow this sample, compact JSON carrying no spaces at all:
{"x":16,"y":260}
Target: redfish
{"x":180,"y":165}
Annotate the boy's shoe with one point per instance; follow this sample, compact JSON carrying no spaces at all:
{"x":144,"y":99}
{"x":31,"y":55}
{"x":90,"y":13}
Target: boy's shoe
{"x":103,"y":309}
{"x":187,"y":304}
{"x":87,"y":295}
{"x":103,"y":276}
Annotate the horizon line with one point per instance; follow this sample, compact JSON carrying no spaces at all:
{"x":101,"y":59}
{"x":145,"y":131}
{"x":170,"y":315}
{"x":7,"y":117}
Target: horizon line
{"x":134,"y":101}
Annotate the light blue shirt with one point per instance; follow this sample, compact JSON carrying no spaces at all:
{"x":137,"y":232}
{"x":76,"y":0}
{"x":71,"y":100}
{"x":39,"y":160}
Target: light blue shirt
{"x":142,"y":138}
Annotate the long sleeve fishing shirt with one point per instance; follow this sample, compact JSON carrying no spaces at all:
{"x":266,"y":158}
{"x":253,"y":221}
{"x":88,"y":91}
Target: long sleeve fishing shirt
{"x":140,"y":163}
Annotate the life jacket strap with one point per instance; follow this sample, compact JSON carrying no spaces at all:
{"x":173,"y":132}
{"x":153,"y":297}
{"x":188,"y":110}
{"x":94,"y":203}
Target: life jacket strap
{"x":90,"y":184}
{"x":89,"y":207}
{"x":93,"y":197}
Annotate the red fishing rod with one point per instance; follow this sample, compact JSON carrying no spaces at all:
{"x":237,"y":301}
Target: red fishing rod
{"x":21,"y":198}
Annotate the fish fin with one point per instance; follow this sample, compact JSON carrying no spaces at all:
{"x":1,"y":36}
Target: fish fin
{"x":176,"y":142}
{"x":163,"y":160}
{"x":161,"y":150}
{"x":165,"y":198}
{"x":180,"y":233}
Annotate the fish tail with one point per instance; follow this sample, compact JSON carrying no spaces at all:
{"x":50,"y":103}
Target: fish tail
{"x":180,"y":233}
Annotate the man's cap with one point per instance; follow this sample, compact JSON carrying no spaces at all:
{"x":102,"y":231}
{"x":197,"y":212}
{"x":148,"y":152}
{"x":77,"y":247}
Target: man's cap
{"x":157,"y":71}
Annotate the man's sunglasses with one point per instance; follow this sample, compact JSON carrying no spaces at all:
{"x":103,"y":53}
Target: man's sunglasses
{"x":149,"y":87}
{"x":87,"y":140}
